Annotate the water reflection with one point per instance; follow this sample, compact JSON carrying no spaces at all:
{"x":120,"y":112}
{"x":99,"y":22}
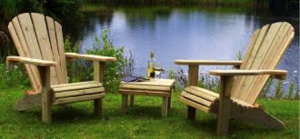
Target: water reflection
{"x":184,"y":33}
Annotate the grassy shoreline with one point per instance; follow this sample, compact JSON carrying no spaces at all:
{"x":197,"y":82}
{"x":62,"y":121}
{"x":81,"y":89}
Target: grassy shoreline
{"x":142,"y":121}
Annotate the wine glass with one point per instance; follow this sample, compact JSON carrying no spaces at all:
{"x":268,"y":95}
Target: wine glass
{"x":157,"y":70}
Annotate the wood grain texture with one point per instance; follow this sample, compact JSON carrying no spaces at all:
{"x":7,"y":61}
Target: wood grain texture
{"x":194,"y":105}
{"x":237,"y":96}
{"x":79,"y":92}
{"x":144,"y":87}
{"x":196,"y":99}
{"x":79,"y":98}
{"x":99,"y":68}
{"x":160,"y":82}
{"x":259,"y":58}
{"x":61,"y":51}
{"x":248,"y":62}
{"x":74,"y":84}
{"x":46,"y":94}
{"x":278,"y":74}
{"x":145,"y":92}
{"x":279,"y":46}
{"x":53,"y":42}
{"x":21,"y":47}
{"x":224,"y":105}
{"x":193,"y":77}
{"x":41,"y":31}
{"x":91,"y":57}
{"x":76,"y":87}
{"x":29,"y":35}
{"x":164,"y":107}
{"x":25,"y":48}
{"x":40,"y":44}
{"x":208,"y":62}
{"x":201,"y":92}
{"x":36,"y":62}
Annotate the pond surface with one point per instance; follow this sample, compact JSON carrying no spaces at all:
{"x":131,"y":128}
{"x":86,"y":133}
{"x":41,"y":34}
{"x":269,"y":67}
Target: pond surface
{"x":185,"y":33}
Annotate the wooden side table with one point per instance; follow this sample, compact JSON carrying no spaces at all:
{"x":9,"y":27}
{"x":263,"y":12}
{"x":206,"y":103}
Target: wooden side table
{"x":160,"y":88}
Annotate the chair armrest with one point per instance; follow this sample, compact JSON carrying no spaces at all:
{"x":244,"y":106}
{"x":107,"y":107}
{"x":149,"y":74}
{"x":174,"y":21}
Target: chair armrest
{"x":278,"y":74}
{"x":91,"y":57}
{"x":31,"y":61}
{"x":208,"y":62}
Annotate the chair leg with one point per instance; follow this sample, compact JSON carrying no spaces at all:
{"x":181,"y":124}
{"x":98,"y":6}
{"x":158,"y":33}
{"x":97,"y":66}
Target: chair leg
{"x":164,"y":108}
{"x":98,"y":107}
{"x":191,"y":113}
{"x":46,"y":94}
{"x":46,"y":108}
{"x":124,"y":103}
{"x":223,"y":118}
{"x":224,"y":105}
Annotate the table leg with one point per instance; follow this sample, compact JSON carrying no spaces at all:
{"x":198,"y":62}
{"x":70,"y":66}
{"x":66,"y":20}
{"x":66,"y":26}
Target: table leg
{"x":164,"y":108}
{"x":131,"y":100}
{"x":124,"y":102}
{"x":170,"y":100}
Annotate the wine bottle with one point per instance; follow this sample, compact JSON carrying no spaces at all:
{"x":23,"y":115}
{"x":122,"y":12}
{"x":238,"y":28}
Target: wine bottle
{"x":151,"y":63}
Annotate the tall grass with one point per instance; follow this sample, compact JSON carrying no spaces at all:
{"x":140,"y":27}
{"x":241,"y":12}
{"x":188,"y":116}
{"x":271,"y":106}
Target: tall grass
{"x":291,"y":91}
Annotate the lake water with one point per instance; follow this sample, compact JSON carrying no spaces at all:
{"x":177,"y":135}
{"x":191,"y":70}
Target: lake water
{"x":185,"y":33}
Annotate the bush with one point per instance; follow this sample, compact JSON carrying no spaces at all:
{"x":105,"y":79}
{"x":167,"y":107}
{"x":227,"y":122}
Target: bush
{"x":13,"y":77}
{"x":113,"y":70}
{"x":82,"y":70}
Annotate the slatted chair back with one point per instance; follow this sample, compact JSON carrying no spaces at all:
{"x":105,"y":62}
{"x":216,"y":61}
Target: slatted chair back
{"x":40,"y":37}
{"x":265,"y":50}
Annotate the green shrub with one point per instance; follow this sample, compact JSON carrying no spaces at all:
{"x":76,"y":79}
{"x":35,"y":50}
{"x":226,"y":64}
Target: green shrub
{"x":13,"y":77}
{"x":113,"y":70}
{"x":82,"y":70}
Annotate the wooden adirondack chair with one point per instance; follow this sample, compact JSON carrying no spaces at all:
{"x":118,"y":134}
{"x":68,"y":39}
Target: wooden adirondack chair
{"x":39,"y":42}
{"x":239,"y":89}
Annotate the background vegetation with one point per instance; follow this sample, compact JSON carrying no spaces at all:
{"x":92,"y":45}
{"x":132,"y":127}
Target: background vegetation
{"x":188,"y":2}
{"x":143,"y":121}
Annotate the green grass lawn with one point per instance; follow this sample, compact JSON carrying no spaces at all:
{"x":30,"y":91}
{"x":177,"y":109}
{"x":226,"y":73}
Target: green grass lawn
{"x":142,"y":121}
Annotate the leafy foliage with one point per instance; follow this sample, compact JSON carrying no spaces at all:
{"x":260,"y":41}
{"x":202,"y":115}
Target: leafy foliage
{"x":82,"y":70}
{"x":13,"y":76}
{"x":113,"y":70}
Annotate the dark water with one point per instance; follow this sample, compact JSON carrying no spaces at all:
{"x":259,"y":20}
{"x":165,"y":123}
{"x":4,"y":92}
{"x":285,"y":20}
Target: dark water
{"x":185,"y":33}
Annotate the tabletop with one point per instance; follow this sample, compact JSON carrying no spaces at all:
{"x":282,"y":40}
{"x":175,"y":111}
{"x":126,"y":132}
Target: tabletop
{"x":159,"y":82}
